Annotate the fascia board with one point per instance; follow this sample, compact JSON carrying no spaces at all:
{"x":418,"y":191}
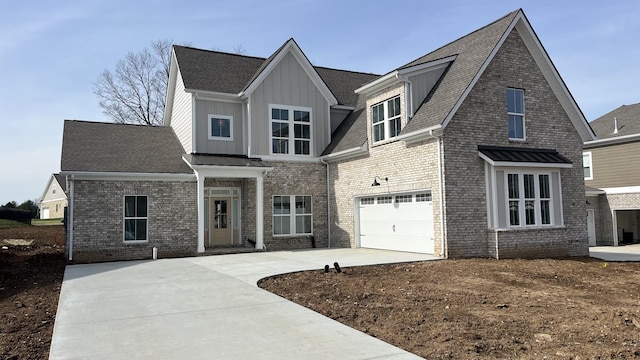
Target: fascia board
{"x":346,"y":154}
{"x":378,"y":84}
{"x":523,"y":164}
{"x":610,"y":141}
{"x":428,"y":66}
{"x":130,"y":176}
{"x":171,"y":89}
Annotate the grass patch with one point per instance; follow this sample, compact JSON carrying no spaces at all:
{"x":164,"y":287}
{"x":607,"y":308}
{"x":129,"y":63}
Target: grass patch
{"x":40,"y":222}
{"x":4,"y":223}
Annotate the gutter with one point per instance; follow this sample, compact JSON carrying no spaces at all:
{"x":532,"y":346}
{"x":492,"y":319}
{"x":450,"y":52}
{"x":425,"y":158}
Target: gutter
{"x":70,"y":220}
{"x":422,"y":134}
{"x":345,"y":154}
{"x":611,"y":141}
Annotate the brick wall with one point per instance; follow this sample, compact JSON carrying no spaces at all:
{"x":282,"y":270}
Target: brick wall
{"x":408,"y":168}
{"x":98,"y":220}
{"x":604,"y":220}
{"x":482,"y":119}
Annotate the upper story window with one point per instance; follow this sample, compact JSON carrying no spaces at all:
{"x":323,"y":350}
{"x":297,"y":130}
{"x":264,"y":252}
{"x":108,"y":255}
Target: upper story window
{"x":587,"y":164}
{"x":220,"y":127}
{"x":386,"y":119}
{"x":515,"y":114}
{"x":53,"y":189}
{"x":290,"y":130}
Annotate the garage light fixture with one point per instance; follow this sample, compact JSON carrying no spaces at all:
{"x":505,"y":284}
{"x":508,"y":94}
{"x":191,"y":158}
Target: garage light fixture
{"x":376,"y":183}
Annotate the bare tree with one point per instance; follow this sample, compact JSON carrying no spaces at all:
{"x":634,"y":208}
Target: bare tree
{"x":135,"y":91}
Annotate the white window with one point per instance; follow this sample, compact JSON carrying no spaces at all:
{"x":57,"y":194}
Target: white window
{"x":135,"y":218}
{"x":297,"y":223}
{"x":220,"y":127}
{"x":384,"y":199}
{"x":404,"y":198}
{"x":386,"y":120}
{"x":290,"y":130}
{"x":529,"y":199}
{"x":515,"y":114}
{"x":587,"y":164}
{"x":422,"y":197}
{"x":53,"y":189}
{"x":367,"y":201}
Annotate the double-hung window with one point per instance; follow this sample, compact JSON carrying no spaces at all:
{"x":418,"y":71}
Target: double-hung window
{"x":292,"y":220}
{"x":515,"y":113}
{"x":220,"y":127}
{"x":135,"y":218}
{"x":386,"y":119}
{"x":587,"y":160}
{"x":290,"y":130}
{"x":529,"y":199}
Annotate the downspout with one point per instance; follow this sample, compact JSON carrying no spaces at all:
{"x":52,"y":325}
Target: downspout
{"x":328,"y":207}
{"x":248,"y":128}
{"x":70,"y":223}
{"x":444,"y":252}
{"x":408,"y":96}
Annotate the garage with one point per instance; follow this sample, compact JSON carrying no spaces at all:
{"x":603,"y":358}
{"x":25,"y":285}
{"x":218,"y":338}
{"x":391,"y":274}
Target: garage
{"x":402,"y":222}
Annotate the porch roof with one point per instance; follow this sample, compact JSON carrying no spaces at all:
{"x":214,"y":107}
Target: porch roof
{"x":223,"y":160}
{"x":517,"y":156}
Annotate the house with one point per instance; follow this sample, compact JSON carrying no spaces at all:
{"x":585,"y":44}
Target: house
{"x":612,"y":177}
{"x":471,"y":150}
{"x":54,"y":199}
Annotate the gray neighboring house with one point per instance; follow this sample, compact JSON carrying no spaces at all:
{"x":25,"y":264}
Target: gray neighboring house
{"x":612,"y":177}
{"x":474,"y":149}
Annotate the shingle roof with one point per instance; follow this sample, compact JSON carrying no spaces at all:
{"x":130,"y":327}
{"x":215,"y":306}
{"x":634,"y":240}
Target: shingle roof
{"x":352,"y":132}
{"x":62,"y":181}
{"x":108,"y":147}
{"x":518,"y":154}
{"x":231,"y":73}
{"x":472,"y":51}
{"x":628,"y":118}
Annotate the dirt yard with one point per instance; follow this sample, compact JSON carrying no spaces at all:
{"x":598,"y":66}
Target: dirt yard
{"x":30,"y":279}
{"x":533,"y":309}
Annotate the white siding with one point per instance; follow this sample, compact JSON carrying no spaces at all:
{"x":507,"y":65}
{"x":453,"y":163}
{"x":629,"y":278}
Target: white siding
{"x":49,"y":195}
{"x":181,"y":115}
{"x":204,"y":108}
{"x":287,"y":84}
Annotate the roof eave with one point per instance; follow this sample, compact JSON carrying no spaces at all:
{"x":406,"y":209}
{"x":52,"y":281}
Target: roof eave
{"x":611,"y":141}
{"x":347,"y":154}
{"x":105,"y":175}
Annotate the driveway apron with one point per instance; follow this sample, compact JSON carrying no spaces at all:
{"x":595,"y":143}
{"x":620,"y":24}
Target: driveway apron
{"x":207,"y":308}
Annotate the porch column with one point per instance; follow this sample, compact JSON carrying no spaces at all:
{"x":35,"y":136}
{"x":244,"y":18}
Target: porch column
{"x":259,"y":212}
{"x":200,"y":179}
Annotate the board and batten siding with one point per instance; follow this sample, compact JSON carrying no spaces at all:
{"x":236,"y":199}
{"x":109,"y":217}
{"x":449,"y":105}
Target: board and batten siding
{"x":422,"y":85}
{"x":181,"y":115}
{"x":204,"y":108}
{"x":613,"y":166}
{"x":287,"y":84}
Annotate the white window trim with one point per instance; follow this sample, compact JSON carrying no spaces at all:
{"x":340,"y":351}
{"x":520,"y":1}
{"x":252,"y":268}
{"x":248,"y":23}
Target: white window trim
{"x":524,"y":127}
{"x":210,"y":118}
{"x":291,"y":123}
{"x":124,"y":204}
{"x":386,"y":122}
{"x":590,"y":156}
{"x":292,"y":217}
{"x":521,"y":199}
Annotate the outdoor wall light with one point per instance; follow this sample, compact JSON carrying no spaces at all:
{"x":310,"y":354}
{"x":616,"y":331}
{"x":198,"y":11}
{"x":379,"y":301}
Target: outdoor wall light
{"x":375,"y":180}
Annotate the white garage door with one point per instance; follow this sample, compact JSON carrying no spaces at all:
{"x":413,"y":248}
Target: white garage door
{"x":401,"y":222}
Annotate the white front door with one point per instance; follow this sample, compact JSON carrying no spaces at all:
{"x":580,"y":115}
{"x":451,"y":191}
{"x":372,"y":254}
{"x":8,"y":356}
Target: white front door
{"x":591,"y":227}
{"x":402,"y":222}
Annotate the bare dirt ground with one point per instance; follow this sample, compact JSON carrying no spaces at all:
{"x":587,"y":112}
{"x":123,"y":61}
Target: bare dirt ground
{"x":577,"y":308}
{"x":30,"y":280}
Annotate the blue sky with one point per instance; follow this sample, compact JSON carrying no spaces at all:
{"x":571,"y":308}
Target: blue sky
{"x":52,"y":52}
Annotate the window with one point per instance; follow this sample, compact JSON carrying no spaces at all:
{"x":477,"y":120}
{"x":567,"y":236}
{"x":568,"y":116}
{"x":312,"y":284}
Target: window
{"x":515,"y":114}
{"x":290,"y":130}
{"x":587,"y":159}
{"x":135,"y":218}
{"x":529,"y":199}
{"x":386,"y":119}
{"x":367,"y":201}
{"x":422,"y":197}
{"x":53,"y":189}
{"x":404,"y":198}
{"x":287,"y":223}
{"x":384,"y":200}
{"x":220,"y":127}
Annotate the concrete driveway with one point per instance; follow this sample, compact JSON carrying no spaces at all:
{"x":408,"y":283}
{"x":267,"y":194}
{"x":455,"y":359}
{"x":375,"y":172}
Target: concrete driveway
{"x":616,"y":253}
{"x":207,"y":308}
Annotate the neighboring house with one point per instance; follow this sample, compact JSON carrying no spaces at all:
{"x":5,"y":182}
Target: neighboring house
{"x":54,"y":199}
{"x":612,"y":177}
{"x":474,"y":149}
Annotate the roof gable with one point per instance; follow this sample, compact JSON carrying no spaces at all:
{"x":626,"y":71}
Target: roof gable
{"x":289,"y":47}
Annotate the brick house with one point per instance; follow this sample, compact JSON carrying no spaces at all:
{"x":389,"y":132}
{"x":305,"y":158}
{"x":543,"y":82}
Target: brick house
{"x":54,"y":198}
{"x":471,"y":150}
{"x":612,"y":177}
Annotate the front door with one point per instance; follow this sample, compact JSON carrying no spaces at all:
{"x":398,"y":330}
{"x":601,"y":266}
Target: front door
{"x":220,"y":221}
{"x":591,"y":227}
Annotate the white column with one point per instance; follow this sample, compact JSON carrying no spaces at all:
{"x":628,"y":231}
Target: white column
{"x":200,"y":195}
{"x":259,"y":212}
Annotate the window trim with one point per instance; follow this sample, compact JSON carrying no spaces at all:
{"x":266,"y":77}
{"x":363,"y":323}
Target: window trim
{"x":210,"y":118}
{"x":386,"y":120}
{"x":589,"y":155}
{"x":522,"y":115}
{"x":292,"y":216}
{"x":124,"y":218}
{"x":291,"y":123}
